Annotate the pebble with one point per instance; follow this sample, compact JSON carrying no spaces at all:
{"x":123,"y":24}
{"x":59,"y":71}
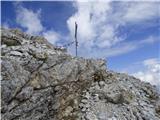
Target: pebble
{"x":68,"y":111}
{"x":101,"y":83}
{"x":16,"y":53}
{"x":3,"y":46}
{"x":96,"y":97}
{"x":91,"y":116}
{"x":83,"y":109}
{"x":84,"y":100}
{"x":87,"y":95}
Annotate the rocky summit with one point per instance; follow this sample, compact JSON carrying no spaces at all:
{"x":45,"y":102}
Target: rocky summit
{"x":40,"y":81}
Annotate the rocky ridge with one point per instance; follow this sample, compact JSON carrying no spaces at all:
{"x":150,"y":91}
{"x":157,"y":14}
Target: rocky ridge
{"x":43,"y":82}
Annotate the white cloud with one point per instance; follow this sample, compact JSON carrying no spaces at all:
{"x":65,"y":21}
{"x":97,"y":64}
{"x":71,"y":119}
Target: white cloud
{"x":137,"y":12}
{"x":99,"y":22}
{"x":29,"y":20}
{"x":91,"y":16}
{"x":150,"y":72}
{"x":51,"y":36}
{"x":149,"y":40}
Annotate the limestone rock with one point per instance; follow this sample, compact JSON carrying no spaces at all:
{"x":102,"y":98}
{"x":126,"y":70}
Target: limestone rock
{"x":43,"y":82}
{"x":158,"y":107}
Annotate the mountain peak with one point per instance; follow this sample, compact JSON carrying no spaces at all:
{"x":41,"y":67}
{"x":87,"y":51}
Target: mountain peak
{"x":42,"y":81}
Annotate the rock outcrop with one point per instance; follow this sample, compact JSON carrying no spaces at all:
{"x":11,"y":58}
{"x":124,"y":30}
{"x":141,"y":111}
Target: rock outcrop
{"x":42,"y":82}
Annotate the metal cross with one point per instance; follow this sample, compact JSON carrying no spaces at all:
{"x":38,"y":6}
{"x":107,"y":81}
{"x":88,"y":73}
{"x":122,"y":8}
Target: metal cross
{"x":76,"y":42}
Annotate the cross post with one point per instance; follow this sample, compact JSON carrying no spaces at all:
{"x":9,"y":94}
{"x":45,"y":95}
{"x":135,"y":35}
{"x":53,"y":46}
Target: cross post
{"x":76,"y":42}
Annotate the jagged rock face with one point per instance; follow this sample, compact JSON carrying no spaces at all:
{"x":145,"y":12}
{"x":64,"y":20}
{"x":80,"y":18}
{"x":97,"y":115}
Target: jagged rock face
{"x":43,"y":82}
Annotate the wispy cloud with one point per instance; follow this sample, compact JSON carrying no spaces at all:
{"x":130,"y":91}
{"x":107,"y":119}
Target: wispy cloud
{"x":147,"y":70}
{"x":31,"y":21}
{"x":118,"y":49}
{"x":51,"y":36}
{"x":150,"y":72}
{"x":99,"y":22}
{"x":145,"y":11}
{"x":98,"y":26}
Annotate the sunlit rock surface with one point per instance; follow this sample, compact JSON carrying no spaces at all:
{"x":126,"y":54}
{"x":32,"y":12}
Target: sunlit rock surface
{"x":43,"y":82}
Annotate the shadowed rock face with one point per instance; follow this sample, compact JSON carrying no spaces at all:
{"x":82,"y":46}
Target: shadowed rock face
{"x":43,"y":82}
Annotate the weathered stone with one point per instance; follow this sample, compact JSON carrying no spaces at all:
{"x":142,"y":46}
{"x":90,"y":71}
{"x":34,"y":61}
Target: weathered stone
{"x":158,"y":107}
{"x":68,"y":111}
{"x":101,"y":83}
{"x":128,"y":96}
{"x":25,"y":94}
{"x":84,"y":101}
{"x":15,"y":53}
{"x":90,"y":116}
{"x":42,"y":82}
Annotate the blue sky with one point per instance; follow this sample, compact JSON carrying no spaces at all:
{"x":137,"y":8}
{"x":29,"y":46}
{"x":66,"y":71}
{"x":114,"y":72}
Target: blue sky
{"x":126,"y":34}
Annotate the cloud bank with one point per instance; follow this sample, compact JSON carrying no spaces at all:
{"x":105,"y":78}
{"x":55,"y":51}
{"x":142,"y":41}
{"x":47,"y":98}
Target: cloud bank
{"x":99,"y":35}
{"x":151,"y":72}
{"x":99,"y":24}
